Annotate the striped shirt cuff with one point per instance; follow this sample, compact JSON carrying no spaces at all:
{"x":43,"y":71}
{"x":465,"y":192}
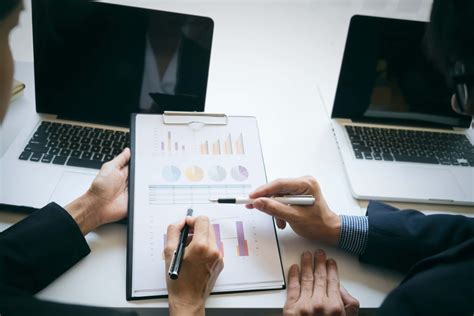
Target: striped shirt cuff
{"x":354,"y":233}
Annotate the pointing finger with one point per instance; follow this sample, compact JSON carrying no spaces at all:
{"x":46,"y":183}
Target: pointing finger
{"x":282,"y":186}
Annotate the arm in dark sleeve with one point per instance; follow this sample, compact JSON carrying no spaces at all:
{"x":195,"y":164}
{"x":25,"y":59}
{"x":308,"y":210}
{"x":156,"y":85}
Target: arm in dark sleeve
{"x":399,"y":239}
{"x":38,"y":249}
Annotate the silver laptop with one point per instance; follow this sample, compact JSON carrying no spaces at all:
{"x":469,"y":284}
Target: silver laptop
{"x":397,"y":134}
{"x":95,"y":64}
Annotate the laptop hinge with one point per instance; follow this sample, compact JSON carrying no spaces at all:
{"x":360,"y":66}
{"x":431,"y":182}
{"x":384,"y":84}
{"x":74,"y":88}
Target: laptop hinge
{"x":404,"y":123}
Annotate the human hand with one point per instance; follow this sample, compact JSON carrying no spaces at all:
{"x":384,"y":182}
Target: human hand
{"x":107,"y":198}
{"x":202,"y":264}
{"x":315,"y":289}
{"x":315,"y":222}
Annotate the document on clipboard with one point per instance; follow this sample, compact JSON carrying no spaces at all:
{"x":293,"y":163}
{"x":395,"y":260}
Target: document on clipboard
{"x":180,"y":161}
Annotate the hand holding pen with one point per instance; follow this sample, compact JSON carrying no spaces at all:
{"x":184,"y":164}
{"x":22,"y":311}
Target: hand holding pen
{"x":315,"y":222}
{"x":200,"y":267}
{"x":307,"y":200}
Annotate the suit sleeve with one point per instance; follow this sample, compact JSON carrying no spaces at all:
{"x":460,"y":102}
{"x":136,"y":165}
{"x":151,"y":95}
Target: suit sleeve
{"x":38,"y":249}
{"x":397,"y":239}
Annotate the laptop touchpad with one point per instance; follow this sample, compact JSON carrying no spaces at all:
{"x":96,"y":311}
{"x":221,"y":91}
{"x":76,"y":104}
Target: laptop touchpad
{"x":71,"y":186}
{"x":436,"y":183}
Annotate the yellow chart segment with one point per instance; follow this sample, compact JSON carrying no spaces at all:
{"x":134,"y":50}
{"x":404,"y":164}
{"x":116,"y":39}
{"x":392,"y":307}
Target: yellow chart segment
{"x":194,"y":174}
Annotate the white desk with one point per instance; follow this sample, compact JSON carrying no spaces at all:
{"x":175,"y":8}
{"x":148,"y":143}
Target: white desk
{"x":269,"y":59}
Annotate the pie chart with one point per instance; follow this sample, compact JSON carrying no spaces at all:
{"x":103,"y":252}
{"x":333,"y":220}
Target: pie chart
{"x":240,"y":173}
{"x":194,"y":173}
{"x":171,"y":173}
{"x":217,"y":173}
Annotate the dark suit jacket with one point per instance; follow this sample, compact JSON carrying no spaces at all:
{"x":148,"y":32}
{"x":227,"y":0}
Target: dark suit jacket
{"x":437,"y":254}
{"x":33,"y":253}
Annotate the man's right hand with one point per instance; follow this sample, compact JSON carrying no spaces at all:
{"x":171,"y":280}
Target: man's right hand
{"x":315,"y":222}
{"x":202,"y":264}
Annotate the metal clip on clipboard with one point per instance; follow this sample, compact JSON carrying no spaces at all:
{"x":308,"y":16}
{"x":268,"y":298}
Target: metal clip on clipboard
{"x":195,"y":120}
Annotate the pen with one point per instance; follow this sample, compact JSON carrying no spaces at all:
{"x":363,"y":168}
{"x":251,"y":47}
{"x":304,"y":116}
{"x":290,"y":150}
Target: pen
{"x":287,"y":199}
{"x":178,"y":254}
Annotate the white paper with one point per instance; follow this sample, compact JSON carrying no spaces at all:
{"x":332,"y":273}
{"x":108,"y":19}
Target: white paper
{"x":180,"y":167}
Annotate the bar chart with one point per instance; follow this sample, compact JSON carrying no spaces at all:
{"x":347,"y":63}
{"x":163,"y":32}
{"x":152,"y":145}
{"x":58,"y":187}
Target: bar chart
{"x":168,"y":145}
{"x":241,"y":249}
{"x":230,"y":234}
{"x":225,"y":146}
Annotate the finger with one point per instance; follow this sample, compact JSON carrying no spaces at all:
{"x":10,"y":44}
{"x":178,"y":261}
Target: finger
{"x":172,"y":239}
{"x":351,"y":305}
{"x":121,"y":160}
{"x":249,"y":206}
{"x":212,"y":236}
{"x":282,"y":186}
{"x":275,"y":209}
{"x":293,"y":284}
{"x":332,"y":279}
{"x":307,"y":277}
{"x":280,"y":223}
{"x":201,"y":230}
{"x":320,"y":275}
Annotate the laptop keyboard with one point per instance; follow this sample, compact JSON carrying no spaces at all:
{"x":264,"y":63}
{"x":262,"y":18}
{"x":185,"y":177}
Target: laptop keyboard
{"x":74,"y":145}
{"x":411,"y":146}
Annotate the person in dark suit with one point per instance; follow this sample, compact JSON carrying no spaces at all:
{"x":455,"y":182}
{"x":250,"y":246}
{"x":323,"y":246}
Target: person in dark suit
{"x":38,"y":249}
{"x":435,"y":252}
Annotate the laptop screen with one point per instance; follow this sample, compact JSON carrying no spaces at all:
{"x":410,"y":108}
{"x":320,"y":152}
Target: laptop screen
{"x":98,"y":62}
{"x":387,"y":77}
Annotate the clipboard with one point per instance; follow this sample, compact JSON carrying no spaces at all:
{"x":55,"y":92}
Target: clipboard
{"x":196,"y":122}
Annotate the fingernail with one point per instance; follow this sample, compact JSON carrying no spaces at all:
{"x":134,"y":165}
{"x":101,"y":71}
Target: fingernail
{"x":307,"y":254}
{"x":319,"y":252}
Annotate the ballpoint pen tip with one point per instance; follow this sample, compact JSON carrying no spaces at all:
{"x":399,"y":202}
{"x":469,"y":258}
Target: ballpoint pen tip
{"x":213,"y":200}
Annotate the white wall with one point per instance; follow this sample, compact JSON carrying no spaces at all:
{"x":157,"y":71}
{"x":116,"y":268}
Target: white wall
{"x":22,"y":43}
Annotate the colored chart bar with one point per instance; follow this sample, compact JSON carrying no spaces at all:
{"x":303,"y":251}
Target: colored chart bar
{"x":205,"y":148}
{"x":228,"y":146}
{"x":243,"y":247}
{"x":169,"y":141}
{"x":216,"y":148}
{"x":239,"y":145}
{"x":219,"y":243}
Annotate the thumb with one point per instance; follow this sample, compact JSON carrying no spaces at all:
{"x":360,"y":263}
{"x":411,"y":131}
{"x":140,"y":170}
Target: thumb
{"x":121,"y":160}
{"x":275,"y":209}
{"x":351,"y":305}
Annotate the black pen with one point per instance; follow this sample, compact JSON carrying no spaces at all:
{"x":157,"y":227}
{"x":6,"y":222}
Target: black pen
{"x":178,"y":254}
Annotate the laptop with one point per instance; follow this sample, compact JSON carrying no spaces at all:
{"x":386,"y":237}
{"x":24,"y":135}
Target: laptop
{"x":95,"y":64}
{"x":392,"y":118}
